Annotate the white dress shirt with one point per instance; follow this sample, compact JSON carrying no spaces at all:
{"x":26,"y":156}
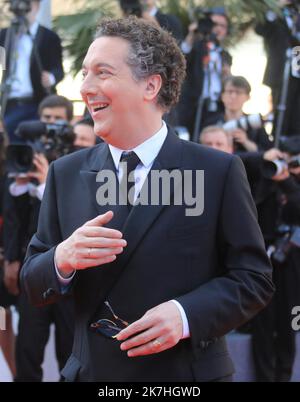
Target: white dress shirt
{"x":21,"y":85}
{"x":153,"y":11}
{"x":34,"y":190}
{"x":212,"y":74}
{"x":147,"y":152}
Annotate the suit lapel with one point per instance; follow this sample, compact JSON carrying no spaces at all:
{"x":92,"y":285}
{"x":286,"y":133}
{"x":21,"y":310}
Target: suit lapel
{"x":101,"y":160}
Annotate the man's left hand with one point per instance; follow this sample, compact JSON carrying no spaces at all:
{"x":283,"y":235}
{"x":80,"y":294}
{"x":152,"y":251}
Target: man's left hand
{"x":159,"y":329}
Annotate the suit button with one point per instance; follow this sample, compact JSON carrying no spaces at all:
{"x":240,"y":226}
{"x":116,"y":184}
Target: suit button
{"x":49,"y":292}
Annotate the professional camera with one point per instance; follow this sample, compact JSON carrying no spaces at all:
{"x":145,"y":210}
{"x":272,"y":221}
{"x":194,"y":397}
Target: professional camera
{"x":205,"y":23}
{"x":288,"y":237}
{"x":53,"y":140}
{"x":131,"y":7}
{"x":19,"y":7}
{"x":254,"y":121}
{"x":290,"y":145}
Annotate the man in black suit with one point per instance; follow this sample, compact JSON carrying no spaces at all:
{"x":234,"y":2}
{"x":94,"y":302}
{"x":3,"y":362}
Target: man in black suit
{"x":182,"y":281}
{"x":281,"y":33}
{"x":38,"y":70}
{"x":22,"y":200}
{"x":167,"y":21}
{"x":208,"y":63}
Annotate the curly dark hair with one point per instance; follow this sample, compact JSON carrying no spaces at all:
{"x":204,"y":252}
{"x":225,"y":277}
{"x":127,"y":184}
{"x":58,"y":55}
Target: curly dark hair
{"x":152,"y":51}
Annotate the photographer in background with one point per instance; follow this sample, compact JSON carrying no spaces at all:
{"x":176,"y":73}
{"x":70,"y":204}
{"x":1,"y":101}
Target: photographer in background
{"x":235,"y":93}
{"x":208,"y":63}
{"x":52,"y":109}
{"x":85,"y":134}
{"x":21,"y":210}
{"x":168,"y":22}
{"x":217,"y":138}
{"x":38,"y":69}
{"x":7,"y":337}
{"x":281,"y":33}
{"x":273,"y":338}
{"x":278,"y":204}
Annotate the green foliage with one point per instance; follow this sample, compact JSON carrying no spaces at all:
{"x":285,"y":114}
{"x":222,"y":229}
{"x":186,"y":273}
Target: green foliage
{"x":77,"y":30}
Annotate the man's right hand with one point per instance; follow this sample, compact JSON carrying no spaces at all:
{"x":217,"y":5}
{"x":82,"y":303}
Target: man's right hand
{"x":89,"y":246}
{"x":42,"y":166}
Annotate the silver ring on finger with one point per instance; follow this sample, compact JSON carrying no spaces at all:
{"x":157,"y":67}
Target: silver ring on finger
{"x":156,"y":344}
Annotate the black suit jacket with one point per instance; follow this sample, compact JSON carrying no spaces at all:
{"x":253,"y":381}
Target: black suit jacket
{"x":193,"y":85}
{"x":49,"y":50}
{"x":171,"y":24}
{"x":277,"y":39}
{"x":214,"y":264}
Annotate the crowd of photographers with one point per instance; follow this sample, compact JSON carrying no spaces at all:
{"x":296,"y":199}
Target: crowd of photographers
{"x":211,"y":110}
{"x":45,"y":140}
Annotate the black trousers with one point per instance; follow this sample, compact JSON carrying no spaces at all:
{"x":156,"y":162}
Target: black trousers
{"x":33,"y":335}
{"x":273,"y":339}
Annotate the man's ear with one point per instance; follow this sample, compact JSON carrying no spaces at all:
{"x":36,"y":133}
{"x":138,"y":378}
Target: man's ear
{"x":153,"y":85}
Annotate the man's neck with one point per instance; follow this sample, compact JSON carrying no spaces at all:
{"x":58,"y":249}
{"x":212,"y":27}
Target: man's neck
{"x":138,"y":140}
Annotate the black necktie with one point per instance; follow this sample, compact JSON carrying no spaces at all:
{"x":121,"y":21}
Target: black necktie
{"x":131,"y":160}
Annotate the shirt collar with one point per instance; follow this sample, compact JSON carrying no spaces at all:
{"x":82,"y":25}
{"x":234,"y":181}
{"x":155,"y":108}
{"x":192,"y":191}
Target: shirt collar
{"x":34,"y":28}
{"x":153,"y":11}
{"x":147,"y":151}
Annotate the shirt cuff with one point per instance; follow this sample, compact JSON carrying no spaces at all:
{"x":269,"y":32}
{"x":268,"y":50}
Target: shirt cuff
{"x":185,"y":324}
{"x":40,"y":191}
{"x":18,"y":189}
{"x":186,"y":47}
{"x":63,"y":281}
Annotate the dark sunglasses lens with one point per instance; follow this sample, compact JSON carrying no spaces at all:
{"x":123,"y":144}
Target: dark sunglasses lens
{"x":106,"y":328}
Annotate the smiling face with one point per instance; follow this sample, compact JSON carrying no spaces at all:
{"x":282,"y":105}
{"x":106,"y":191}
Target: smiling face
{"x":120,"y":106}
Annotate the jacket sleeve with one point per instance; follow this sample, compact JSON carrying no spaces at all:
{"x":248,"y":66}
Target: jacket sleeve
{"x":56,"y":58}
{"x":38,"y":275}
{"x":244,"y":285}
{"x":16,"y":213}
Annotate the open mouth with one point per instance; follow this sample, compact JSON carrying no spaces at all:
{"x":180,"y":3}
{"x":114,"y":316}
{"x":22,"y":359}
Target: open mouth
{"x":97,"y":108}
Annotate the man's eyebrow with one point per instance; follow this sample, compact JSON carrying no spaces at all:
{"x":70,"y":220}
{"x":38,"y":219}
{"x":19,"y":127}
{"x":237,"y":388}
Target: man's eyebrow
{"x":100,"y":65}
